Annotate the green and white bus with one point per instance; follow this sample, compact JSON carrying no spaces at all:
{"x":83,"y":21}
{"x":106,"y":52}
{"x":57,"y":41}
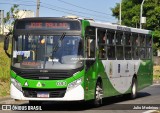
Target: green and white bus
{"x":71,"y":59}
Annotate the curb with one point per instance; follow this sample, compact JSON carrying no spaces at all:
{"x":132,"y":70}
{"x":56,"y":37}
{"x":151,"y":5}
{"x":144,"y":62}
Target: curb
{"x":156,"y":82}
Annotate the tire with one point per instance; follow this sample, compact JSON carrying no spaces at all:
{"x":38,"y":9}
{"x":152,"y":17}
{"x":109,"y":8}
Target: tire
{"x":134,"y":88}
{"x":35,"y":103}
{"x":98,"y":94}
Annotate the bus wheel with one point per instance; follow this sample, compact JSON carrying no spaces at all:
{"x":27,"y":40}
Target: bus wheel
{"x":98,"y":94}
{"x":33,"y":103}
{"x":134,"y":88}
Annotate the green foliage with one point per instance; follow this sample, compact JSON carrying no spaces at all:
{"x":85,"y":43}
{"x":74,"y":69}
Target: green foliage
{"x":130,"y":13}
{"x":10,"y":18}
{"x":131,"y":16}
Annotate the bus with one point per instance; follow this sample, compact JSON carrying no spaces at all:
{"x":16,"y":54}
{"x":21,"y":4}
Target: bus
{"x":73,"y":59}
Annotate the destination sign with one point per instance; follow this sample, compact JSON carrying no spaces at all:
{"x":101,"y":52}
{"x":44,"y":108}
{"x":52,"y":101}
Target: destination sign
{"x":55,"y":24}
{"x":47,"y":25}
{"x":30,"y":64}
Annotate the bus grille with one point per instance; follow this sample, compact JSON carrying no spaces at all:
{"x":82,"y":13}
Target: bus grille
{"x":53,"y":93}
{"x":46,"y":76}
{"x":36,"y":74}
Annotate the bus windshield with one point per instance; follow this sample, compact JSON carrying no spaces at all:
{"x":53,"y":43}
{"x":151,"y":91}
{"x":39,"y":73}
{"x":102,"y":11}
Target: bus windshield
{"x":47,"y":52}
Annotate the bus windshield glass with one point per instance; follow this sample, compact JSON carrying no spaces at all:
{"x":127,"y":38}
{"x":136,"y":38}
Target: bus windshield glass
{"x":47,"y":52}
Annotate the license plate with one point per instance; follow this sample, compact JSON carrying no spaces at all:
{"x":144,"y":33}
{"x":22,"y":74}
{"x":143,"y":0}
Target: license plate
{"x":43,"y":94}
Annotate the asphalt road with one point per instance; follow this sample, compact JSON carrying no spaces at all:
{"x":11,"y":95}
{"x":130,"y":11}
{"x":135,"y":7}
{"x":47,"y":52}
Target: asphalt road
{"x":148,"y":97}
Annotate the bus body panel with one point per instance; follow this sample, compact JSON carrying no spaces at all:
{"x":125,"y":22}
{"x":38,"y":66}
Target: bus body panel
{"x":145,"y":74}
{"x":119,"y":81}
{"x":117,"y":84}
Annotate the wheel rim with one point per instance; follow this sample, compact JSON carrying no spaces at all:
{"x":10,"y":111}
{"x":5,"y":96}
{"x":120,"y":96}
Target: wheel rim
{"x":99,"y":94}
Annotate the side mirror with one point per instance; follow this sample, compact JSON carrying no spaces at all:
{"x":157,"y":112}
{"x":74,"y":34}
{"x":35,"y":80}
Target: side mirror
{"x":6,"y":44}
{"x":89,"y":48}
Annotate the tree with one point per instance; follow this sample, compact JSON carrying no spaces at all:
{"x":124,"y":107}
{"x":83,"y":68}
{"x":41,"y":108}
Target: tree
{"x":131,"y":15}
{"x":10,"y":18}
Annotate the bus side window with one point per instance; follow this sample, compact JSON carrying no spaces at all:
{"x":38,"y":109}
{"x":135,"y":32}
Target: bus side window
{"x":148,"y":47}
{"x":149,"y":41}
{"x":149,"y":53}
{"x":142,"y":48}
{"x":110,"y":44}
{"x":135,"y":40}
{"x":102,"y":43}
{"x":110,"y":38}
{"x":128,"y":54}
{"x":90,"y":42}
{"x":128,"y":39}
{"x":135,"y":46}
{"x":119,"y":45}
{"x":119,"y":38}
{"x":128,"y":46}
{"x":135,"y":53}
{"x":142,"y":40}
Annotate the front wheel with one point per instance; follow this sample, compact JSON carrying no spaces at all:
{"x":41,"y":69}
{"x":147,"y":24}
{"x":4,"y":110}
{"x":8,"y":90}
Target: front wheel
{"x":98,"y":94}
{"x":134,"y":88}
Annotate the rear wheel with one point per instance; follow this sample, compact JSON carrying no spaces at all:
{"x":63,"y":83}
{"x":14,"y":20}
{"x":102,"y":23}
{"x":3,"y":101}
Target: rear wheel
{"x":98,"y":94}
{"x":134,"y":88}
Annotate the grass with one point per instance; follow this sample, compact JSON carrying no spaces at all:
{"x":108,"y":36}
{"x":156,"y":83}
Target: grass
{"x":4,"y":72}
{"x":4,"y":64}
{"x":156,"y":72}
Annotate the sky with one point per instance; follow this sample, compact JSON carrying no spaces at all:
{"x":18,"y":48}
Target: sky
{"x":99,"y":10}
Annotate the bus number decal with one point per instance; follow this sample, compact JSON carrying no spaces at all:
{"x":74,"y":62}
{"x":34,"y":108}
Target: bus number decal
{"x":61,"y":83}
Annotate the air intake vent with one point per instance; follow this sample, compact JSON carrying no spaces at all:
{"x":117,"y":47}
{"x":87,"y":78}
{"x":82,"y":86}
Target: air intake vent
{"x":53,"y":93}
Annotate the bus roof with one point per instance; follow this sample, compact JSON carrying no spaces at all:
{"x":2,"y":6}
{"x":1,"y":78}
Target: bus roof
{"x":44,"y":18}
{"x":118,"y":27}
{"x":92,"y":23}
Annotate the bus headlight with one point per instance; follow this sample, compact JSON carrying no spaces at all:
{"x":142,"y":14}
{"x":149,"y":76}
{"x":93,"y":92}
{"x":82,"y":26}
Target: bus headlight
{"x":74,"y":84}
{"x":16,"y":84}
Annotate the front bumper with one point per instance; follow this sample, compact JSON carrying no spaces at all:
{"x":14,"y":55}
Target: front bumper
{"x":74,"y":94}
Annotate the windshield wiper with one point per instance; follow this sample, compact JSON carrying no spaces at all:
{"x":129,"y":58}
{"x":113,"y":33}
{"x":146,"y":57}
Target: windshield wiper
{"x":55,"y":48}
